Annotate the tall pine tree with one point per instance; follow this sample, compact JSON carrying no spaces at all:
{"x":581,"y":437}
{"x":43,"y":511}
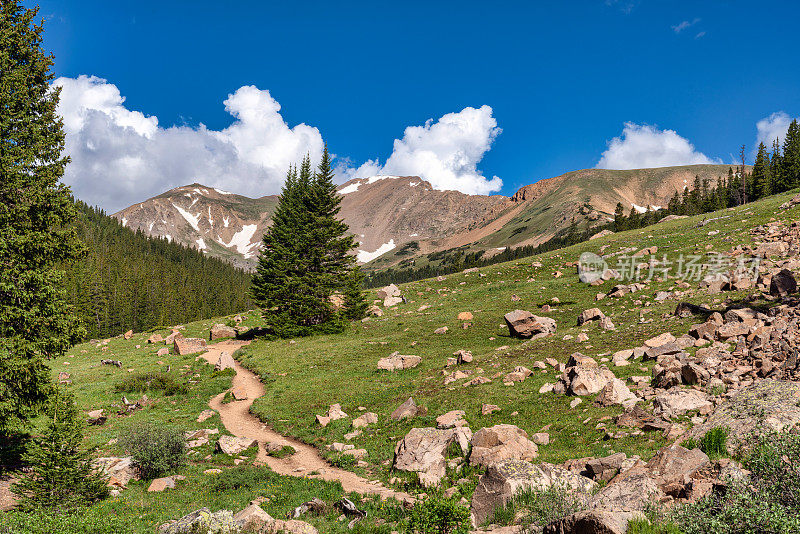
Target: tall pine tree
{"x":791,"y":155}
{"x":306,"y":281}
{"x":760,"y":177}
{"x":36,"y":213}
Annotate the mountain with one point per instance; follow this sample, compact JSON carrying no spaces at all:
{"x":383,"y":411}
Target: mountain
{"x":395,"y":218}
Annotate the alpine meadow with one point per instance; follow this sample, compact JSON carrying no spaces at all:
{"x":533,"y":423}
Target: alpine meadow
{"x":423,"y":271}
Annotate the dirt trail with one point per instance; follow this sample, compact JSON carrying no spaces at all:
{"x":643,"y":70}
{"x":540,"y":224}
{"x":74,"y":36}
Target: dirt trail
{"x":236,"y":417}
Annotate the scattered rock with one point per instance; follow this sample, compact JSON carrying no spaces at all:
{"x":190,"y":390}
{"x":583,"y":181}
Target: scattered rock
{"x":189,"y":345}
{"x":499,"y":443}
{"x":398,"y":361}
{"x":232,"y":445}
{"x":225,"y":361}
{"x":405,"y":410}
{"x":524,"y":324}
{"x":220,"y":331}
{"x":365,"y":420}
{"x":422,"y":451}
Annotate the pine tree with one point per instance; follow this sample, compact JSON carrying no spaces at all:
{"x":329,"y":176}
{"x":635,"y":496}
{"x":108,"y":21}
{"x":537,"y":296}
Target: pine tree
{"x":760,"y":176}
{"x":61,"y":477}
{"x":36,"y":210}
{"x":791,"y":155}
{"x":776,"y":169}
{"x":305,"y":259}
{"x":619,"y":217}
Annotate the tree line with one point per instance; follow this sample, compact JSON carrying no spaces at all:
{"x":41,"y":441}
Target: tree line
{"x":128,"y":280}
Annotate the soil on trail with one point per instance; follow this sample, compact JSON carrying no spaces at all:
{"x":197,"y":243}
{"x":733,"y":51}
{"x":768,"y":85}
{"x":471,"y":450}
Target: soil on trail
{"x":236,"y":417}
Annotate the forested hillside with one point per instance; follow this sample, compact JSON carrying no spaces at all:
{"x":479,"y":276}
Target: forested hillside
{"x":131,"y":281}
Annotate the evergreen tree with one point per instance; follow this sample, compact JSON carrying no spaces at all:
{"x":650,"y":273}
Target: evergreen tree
{"x":36,"y":212}
{"x":619,"y":216}
{"x":761,"y":180}
{"x":61,"y":476}
{"x":776,"y":169}
{"x":791,"y":155}
{"x":305,"y":259}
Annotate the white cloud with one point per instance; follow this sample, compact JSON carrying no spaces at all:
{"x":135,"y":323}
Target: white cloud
{"x":643,"y":146}
{"x":445,"y":153}
{"x":121,"y":156}
{"x":772,"y":128}
{"x":678,"y":28}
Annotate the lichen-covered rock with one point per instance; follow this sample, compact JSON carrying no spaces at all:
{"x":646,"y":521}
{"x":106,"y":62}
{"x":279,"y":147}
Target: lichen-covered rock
{"x":593,"y":522}
{"x":202,"y":520}
{"x":500,"y":443}
{"x":422,"y":451}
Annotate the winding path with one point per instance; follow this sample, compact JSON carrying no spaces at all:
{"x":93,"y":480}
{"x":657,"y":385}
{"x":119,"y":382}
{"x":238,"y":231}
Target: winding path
{"x":238,"y":420}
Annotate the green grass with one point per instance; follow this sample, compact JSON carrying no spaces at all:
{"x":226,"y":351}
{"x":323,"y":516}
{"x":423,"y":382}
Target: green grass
{"x":302,"y":378}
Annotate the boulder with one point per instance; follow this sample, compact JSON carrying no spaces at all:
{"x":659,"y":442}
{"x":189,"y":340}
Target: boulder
{"x":593,"y":522}
{"x":591,"y":314}
{"x":220,"y":331}
{"x":120,"y":470}
{"x":253,"y":518}
{"x":364,"y":420}
{"x":397,"y":361}
{"x":155,"y":338}
{"x":163,"y":351}
{"x":615,"y":392}
{"x":765,"y":406}
{"x":128,"y":334}
{"x":465,"y":316}
{"x":189,"y":345}
{"x":504,"y":480}
{"x":161,"y":484}
{"x":660,"y":340}
{"x":388,"y":302}
{"x":225,"y":361}
{"x":291,"y":526}
{"x":524,"y":324}
{"x":500,"y":443}
{"x":422,"y":451}
{"x":96,"y":417}
{"x":389,"y":291}
{"x":335,"y":412}
{"x":783,"y":284}
{"x":632,"y":490}
{"x":451,"y":419}
{"x":202,"y":520}
{"x":679,"y":401}
{"x":232,"y":445}
{"x":405,"y":410}
{"x":673,"y":466}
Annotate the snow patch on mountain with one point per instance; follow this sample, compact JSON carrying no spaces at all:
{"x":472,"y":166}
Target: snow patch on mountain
{"x":241,"y":240}
{"x":364,"y":256}
{"x":191,"y":219}
{"x":201,"y":244}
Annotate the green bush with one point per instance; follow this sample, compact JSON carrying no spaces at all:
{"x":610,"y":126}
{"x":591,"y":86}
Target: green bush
{"x":144,"y":382}
{"x":283,"y":452}
{"x":156,"y":449}
{"x":343,"y":461}
{"x":714,"y":442}
{"x":540,"y":506}
{"x":88,"y":521}
{"x":239,"y":478}
{"x":436,"y":515}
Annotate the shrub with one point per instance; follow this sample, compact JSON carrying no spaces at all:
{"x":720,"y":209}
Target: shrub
{"x":540,"y":506}
{"x":144,"y":382}
{"x":343,"y":461}
{"x":239,"y":478}
{"x":283,"y":452}
{"x":713,"y":443}
{"x":88,"y":521}
{"x":436,"y":515}
{"x":155,"y":449}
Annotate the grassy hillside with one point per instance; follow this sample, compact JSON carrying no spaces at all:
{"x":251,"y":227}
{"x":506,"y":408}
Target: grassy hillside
{"x":304,"y":376}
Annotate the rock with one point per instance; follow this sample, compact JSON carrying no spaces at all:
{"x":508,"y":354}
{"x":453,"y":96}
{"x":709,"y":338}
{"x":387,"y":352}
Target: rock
{"x":782,"y":284}
{"x":465,"y":316}
{"x":162,"y":351}
{"x":291,"y":526}
{"x":160,"y":484}
{"x":451,"y":419}
{"x":504,"y":480}
{"x":388,"y":302}
{"x":767,"y":405}
{"x":407,"y":409}
{"x":253,"y":518}
{"x":583,"y":377}
{"x":220,"y":331}
{"x":541,"y":438}
{"x":463,"y":356}
{"x":615,"y":392}
{"x":593,"y":522}
{"x":202,"y":520}
{"x":225,"y":361}
{"x":632,"y":490}
{"x":659,"y":340}
{"x":365,"y":420}
{"x":673,"y":466}
{"x":487,"y":409}
{"x":398,"y":361}
{"x":590,"y":315}
{"x":499,"y":443}
{"x":189,"y":345}
{"x":239,"y":393}
{"x":524,"y":324}
{"x":606,"y":324}
{"x":155,"y":338}
{"x":422,"y":451}
{"x":679,"y":401}
{"x":120,"y":470}
{"x":729,"y":330}
{"x":601,"y":233}
{"x":583,"y":336}
{"x":232,"y":445}
{"x":335,"y":412}
{"x":128,"y":334}
{"x":96,"y":417}
{"x":441,"y":330}
{"x":323,"y":421}
{"x":389,"y":291}
{"x":687,"y":309}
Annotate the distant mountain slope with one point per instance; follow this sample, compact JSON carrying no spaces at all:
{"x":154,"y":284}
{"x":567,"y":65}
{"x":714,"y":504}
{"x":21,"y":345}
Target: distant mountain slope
{"x":397,"y":218}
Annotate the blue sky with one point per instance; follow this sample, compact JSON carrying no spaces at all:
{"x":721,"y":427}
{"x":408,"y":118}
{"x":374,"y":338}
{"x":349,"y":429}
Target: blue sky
{"x":561,"y":78}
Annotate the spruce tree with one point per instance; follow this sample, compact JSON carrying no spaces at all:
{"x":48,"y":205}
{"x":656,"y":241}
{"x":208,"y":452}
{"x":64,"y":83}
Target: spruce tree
{"x":791,"y":155}
{"x":305,"y":265}
{"x":61,"y":476}
{"x":760,"y":176}
{"x":36,"y":212}
{"x":776,"y":169}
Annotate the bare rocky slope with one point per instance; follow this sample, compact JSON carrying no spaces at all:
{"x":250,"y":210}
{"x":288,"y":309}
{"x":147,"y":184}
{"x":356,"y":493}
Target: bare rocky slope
{"x":395,"y":218}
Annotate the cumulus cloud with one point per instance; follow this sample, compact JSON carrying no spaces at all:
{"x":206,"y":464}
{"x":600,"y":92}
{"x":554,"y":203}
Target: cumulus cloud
{"x":120,"y":156}
{"x":772,"y":128}
{"x":643,"y":146}
{"x":445,"y":152}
